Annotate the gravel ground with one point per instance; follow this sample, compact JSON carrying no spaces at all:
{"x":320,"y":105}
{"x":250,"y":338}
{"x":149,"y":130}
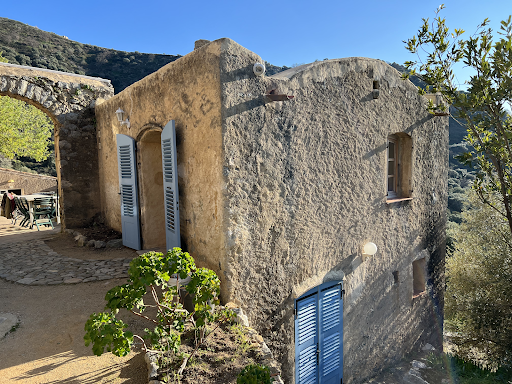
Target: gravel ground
{"x":47,"y":346}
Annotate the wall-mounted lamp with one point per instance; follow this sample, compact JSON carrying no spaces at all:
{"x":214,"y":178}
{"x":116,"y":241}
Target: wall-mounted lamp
{"x":120,"y":118}
{"x":369,"y":249}
{"x":10,"y":181}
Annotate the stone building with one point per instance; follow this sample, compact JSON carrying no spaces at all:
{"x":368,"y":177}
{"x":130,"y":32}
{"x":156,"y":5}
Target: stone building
{"x":284,"y":181}
{"x":24,"y":183}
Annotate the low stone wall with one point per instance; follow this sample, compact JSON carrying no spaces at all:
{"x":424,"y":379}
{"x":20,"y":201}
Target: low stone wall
{"x":29,"y":183}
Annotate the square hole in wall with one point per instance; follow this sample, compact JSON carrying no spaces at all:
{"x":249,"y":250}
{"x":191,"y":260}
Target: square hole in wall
{"x":418,"y":277}
{"x":396,"y":278}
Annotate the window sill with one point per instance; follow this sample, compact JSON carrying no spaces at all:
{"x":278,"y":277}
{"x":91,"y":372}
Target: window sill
{"x":397,"y":200}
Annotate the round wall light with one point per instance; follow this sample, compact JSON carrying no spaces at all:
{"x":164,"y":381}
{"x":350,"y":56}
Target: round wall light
{"x":370,"y":249}
{"x":258,"y":69}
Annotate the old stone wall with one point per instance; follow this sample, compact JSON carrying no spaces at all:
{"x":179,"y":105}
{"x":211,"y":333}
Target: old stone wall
{"x":29,"y":183}
{"x":306,"y":188}
{"x":280,"y":196}
{"x":187,"y":91}
{"x":69,"y":100}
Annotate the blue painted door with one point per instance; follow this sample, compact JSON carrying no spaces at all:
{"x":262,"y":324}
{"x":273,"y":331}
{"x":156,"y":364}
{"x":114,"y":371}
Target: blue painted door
{"x":319,"y":336}
{"x":169,"y":165}
{"x":126,"y":162}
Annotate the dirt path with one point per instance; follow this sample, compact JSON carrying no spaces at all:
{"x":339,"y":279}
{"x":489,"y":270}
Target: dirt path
{"x":48,"y":346}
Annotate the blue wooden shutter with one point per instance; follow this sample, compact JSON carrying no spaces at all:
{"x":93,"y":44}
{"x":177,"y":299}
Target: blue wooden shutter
{"x":169,"y":164}
{"x":126,"y":162}
{"x":306,"y":340}
{"x":331,"y":335}
{"x":319,"y":336}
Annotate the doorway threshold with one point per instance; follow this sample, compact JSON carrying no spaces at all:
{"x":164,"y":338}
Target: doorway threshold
{"x":143,"y":251}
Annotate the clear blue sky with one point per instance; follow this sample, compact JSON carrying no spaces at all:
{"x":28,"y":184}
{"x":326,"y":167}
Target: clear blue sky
{"x":281,"y":32}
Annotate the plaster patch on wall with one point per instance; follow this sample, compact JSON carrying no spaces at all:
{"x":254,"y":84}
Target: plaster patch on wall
{"x":355,"y":283}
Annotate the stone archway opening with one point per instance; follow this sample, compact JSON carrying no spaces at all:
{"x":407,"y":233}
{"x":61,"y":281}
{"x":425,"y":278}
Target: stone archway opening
{"x":69,"y":100}
{"x":151,"y":191}
{"x":34,"y":130}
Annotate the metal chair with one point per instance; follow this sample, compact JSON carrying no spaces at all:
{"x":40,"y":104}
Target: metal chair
{"x":23,"y":211}
{"x":44,"y":212}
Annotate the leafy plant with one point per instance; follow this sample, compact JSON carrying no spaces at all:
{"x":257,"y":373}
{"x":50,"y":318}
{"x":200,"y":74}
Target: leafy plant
{"x":24,"y":130}
{"x":254,"y":374}
{"x":482,"y":108}
{"x":167,"y":279}
{"x":469,"y":373}
{"x":104,"y":331}
{"x":478,"y":286}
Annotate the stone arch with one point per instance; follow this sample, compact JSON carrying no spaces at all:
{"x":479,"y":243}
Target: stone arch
{"x":69,"y":100}
{"x":147,"y":129}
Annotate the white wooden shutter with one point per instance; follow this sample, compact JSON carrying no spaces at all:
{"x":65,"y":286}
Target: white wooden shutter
{"x":169,"y":166}
{"x":126,"y":162}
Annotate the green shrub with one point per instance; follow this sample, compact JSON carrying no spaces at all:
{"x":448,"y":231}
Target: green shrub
{"x":254,"y":374}
{"x":162,"y":277}
{"x":478,"y":285}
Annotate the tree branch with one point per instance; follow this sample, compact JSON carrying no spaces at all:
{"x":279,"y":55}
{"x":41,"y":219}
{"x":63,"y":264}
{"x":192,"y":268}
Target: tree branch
{"x":143,"y":316}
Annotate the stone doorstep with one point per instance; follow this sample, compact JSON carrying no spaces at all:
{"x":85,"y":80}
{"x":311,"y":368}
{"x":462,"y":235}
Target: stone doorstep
{"x":274,"y":366}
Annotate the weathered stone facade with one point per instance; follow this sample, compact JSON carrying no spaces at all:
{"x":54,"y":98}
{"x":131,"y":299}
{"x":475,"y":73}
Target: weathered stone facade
{"x":29,"y":183}
{"x":69,"y":101}
{"x":279,"y":197}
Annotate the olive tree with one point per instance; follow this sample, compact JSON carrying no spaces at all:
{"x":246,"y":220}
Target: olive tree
{"x":24,"y":129}
{"x":478,"y":300}
{"x":482,"y":107}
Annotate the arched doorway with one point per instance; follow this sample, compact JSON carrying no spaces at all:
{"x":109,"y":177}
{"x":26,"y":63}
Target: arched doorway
{"x":148,"y":185}
{"x":151,"y":190}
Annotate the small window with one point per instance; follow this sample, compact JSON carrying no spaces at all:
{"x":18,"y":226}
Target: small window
{"x":418,"y":277}
{"x":399,"y":167}
{"x":392,"y":168}
{"x":396,"y":278}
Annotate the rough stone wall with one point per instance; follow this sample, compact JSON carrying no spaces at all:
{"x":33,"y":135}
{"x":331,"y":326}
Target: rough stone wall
{"x":306,"y":188}
{"x":69,"y":100}
{"x":29,"y":183}
{"x":187,"y":91}
{"x":278,"y":197}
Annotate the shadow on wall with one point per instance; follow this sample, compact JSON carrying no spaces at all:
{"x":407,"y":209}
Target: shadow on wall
{"x":384,"y":323}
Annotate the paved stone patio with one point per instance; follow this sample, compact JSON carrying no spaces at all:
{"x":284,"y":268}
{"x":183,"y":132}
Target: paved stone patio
{"x":26,"y":259}
{"x":34,"y":263}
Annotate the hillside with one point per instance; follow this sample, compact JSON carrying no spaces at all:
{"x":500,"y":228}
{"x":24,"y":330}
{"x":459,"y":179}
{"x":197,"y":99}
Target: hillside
{"x":25,"y":45}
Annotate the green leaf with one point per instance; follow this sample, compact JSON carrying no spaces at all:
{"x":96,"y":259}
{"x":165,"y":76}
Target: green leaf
{"x":24,"y":130}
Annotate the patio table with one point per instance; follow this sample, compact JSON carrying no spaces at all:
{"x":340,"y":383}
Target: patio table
{"x":30,"y":201}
